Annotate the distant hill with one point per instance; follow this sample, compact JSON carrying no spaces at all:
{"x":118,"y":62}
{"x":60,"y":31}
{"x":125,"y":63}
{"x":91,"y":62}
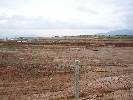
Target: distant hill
{"x":118,"y":32}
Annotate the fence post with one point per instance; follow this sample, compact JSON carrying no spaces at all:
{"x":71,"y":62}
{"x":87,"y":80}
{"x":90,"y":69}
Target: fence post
{"x":77,"y":90}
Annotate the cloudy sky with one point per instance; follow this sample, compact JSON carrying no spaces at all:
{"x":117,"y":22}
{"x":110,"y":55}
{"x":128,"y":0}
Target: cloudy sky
{"x":64,"y":17}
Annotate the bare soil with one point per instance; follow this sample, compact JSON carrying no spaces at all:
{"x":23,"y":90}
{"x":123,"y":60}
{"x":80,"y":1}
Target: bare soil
{"x":39,"y":71}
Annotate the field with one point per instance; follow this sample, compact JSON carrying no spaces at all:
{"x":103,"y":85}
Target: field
{"x":45,"y":70}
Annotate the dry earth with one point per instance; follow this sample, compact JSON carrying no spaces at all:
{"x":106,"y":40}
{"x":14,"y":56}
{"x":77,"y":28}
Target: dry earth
{"x":46,"y":72}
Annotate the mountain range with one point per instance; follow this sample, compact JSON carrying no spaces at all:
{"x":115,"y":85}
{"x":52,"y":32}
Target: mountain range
{"x":118,"y":32}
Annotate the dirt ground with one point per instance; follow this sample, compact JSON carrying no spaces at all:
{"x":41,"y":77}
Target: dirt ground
{"x":34,"y":72}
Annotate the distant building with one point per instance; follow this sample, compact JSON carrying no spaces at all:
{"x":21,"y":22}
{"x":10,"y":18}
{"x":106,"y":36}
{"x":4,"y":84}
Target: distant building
{"x":21,"y":41}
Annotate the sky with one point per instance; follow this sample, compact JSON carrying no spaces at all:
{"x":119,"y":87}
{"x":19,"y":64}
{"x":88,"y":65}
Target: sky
{"x":64,"y":17}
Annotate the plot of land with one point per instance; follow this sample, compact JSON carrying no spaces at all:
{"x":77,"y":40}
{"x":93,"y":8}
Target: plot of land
{"x":31,"y":71}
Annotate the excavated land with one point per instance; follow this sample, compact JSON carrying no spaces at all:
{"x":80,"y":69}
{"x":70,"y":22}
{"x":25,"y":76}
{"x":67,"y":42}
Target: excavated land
{"x":45,"y":70}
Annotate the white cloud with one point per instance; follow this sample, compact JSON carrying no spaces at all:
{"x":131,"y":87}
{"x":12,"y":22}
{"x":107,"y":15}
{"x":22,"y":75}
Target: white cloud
{"x":82,"y":15}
